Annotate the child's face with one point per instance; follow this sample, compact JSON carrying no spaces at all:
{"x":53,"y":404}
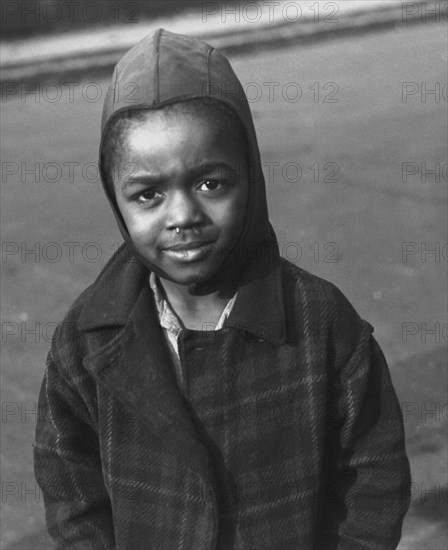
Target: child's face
{"x":187,"y":172}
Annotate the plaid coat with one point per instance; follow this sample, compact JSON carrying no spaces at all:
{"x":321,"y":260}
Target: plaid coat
{"x":290,"y":435}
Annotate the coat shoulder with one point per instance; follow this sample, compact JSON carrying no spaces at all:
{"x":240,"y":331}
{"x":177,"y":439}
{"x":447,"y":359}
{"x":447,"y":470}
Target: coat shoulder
{"x":324,"y":309}
{"x":82,"y":302}
{"x":316,"y":291}
{"x":69,"y":337}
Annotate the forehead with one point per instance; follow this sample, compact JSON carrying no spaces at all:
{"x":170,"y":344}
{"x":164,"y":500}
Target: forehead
{"x":168,"y":144}
{"x":170,"y":117}
{"x":161,"y":125}
{"x":179,"y":131}
{"x":199,"y":111}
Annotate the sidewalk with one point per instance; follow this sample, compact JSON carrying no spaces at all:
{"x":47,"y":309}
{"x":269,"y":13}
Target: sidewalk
{"x":227,"y":27}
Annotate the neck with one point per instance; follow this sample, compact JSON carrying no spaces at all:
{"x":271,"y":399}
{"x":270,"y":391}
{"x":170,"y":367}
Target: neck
{"x":195,"y":310}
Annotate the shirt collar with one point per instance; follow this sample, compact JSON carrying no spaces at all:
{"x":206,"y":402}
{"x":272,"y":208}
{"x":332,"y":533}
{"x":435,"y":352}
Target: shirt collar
{"x":168,"y":318}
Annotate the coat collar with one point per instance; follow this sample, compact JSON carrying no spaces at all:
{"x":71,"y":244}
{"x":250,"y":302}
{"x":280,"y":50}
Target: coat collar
{"x":258,"y":309}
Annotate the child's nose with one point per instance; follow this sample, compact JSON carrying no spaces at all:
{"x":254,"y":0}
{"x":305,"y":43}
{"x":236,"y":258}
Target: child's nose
{"x":183,"y":211}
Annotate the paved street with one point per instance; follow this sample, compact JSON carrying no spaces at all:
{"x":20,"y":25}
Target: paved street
{"x":349,"y":133}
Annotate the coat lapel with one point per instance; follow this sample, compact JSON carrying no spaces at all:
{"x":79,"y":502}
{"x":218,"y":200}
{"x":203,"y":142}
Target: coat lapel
{"x":135,"y":365}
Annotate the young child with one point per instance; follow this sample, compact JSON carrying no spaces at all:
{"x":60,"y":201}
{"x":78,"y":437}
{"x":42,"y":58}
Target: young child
{"x":204,"y":393}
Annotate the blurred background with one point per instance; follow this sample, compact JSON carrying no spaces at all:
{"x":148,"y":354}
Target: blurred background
{"x":350,"y":102}
{"x":39,"y":17}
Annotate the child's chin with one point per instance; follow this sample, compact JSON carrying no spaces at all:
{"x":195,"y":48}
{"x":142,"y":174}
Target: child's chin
{"x":190,"y":275}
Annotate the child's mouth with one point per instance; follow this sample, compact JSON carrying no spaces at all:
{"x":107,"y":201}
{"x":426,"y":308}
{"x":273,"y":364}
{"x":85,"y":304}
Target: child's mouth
{"x":189,"y":252}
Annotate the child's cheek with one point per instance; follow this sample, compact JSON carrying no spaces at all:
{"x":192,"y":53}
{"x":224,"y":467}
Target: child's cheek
{"x":233,"y":216}
{"x":142,"y":232}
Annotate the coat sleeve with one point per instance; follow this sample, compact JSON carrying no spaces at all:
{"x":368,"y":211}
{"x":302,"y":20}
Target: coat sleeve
{"x":367,"y":470}
{"x":67,"y":467}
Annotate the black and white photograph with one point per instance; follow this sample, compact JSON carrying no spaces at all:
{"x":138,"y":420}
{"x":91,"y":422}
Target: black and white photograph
{"x":224,"y":302}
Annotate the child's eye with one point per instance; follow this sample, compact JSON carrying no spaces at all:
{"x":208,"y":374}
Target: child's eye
{"x":211,"y":185}
{"x":149,"y":195}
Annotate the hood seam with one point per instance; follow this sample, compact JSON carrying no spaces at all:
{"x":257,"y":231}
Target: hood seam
{"x":156,"y":67}
{"x":209,"y":53}
{"x":115,"y":89}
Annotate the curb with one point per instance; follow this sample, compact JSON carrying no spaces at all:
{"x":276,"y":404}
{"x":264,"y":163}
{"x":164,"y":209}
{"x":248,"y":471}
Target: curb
{"x":244,"y":38}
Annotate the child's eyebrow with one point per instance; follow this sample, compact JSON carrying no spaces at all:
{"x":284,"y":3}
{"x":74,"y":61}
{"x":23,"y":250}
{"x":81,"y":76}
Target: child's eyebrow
{"x":143,"y":179}
{"x":159,"y":179}
{"x":208,"y":167}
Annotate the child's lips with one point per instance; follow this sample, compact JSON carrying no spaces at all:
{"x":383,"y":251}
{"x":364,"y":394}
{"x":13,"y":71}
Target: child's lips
{"x":191,"y":245}
{"x":189,"y":252}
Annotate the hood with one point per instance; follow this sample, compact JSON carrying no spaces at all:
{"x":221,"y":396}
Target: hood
{"x":165,"y":68}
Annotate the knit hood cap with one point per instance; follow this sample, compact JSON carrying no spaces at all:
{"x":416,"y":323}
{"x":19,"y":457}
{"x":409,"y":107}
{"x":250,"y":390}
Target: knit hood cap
{"x":166,"y":68}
